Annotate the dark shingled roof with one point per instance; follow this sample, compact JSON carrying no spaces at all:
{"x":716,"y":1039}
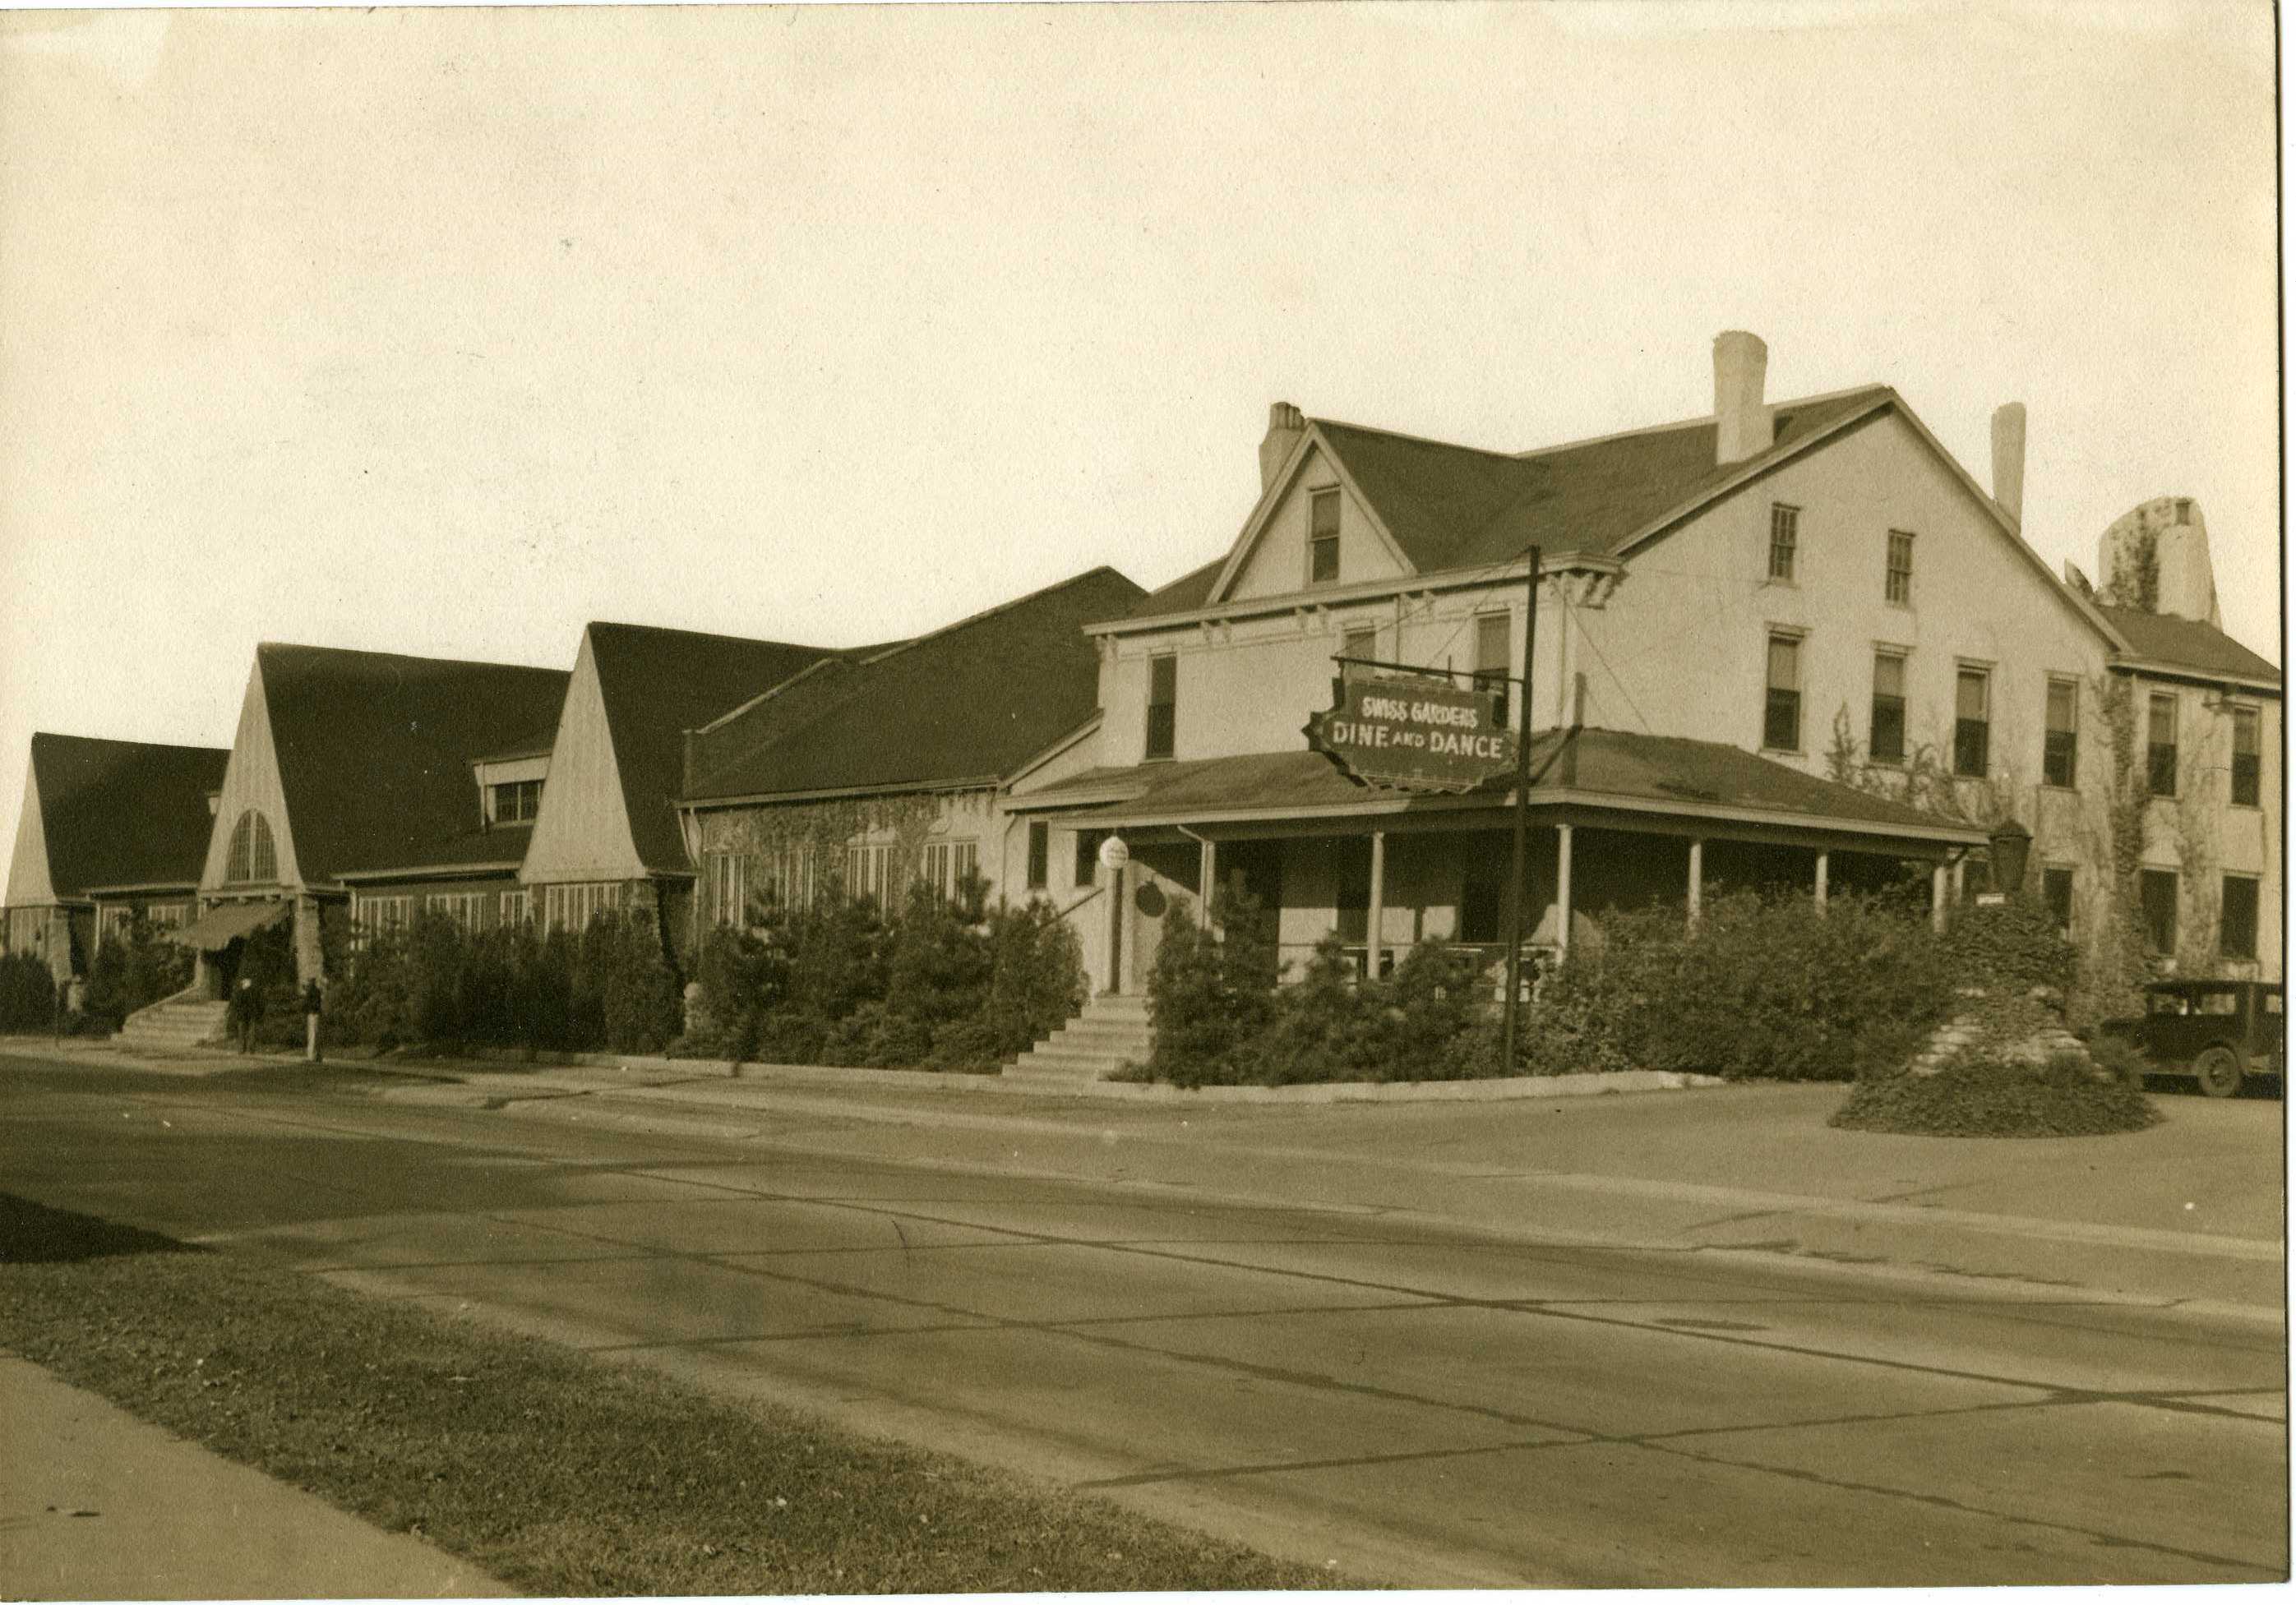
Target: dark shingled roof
{"x":657,"y":684}
{"x":123,"y":813}
{"x":976,"y":700}
{"x":375,"y":750}
{"x":1614,"y":763}
{"x":1454,"y":507}
{"x":2186,"y":644}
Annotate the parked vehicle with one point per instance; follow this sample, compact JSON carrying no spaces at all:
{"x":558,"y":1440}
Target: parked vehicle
{"x":2220,"y":1032}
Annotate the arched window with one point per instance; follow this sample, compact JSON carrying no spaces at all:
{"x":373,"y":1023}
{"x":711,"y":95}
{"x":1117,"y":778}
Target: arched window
{"x":252,"y":856}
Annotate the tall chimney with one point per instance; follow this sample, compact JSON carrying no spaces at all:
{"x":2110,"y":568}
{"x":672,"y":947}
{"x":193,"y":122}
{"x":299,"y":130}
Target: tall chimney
{"x":1742,"y":423}
{"x":1285,"y":426}
{"x":2009,"y":458}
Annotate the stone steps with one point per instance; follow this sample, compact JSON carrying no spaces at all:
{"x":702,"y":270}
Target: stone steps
{"x":1112,"y":1033}
{"x":175,"y":1023}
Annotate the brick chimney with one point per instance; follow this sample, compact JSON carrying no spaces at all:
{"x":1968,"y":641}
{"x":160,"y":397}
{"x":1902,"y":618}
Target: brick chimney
{"x":2009,"y":458}
{"x":1285,"y":426}
{"x":1741,"y":421}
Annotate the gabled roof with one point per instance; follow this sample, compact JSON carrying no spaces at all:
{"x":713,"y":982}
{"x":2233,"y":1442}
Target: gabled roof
{"x":657,"y":684}
{"x":1451,"y":507}
{"x":374,"y":750}
{"x":2165,"y":639}
{"x":1650,"y":773}
{"x":969,"y":703}
{"x":119,"y":813}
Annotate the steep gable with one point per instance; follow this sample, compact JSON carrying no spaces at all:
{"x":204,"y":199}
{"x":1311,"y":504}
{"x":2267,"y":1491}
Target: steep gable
{"x":1274,"y":558}
{"x":373,"y":752}
{"x":617,"y":764}
{"x":28,"y":882}
{"x":250,"y":781}
{"x":119,"y":814}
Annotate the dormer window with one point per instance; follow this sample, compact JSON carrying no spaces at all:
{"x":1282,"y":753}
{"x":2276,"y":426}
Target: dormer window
{"x":1323,"y":537}
{"x":513,"y":802}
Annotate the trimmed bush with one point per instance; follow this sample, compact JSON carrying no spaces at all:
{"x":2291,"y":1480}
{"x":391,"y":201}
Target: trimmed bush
{"x":1985,"y":1096}
{"x":28,"y":996}
{"x":133,"y":971}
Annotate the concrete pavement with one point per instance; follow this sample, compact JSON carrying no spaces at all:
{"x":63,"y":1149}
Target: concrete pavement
{"x":1418,"y":1400}
{"x":95,"y":1504}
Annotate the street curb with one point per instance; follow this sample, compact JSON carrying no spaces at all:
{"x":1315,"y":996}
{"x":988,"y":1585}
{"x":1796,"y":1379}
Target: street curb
{"x":1490,"y":1090}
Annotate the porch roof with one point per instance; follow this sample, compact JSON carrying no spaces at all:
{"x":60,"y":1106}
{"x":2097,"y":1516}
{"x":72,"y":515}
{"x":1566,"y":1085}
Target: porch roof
{"x":1615,"y":769}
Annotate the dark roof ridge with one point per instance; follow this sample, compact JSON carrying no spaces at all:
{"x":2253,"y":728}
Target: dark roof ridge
{"x":1373,"y":429}
{"x":986,"y":614}
{"x":827,"y":660}
{"x":1784,"y":405}
{"x":671,"y":629}
{"x":264,"y":647}
{"x":121,"y":740}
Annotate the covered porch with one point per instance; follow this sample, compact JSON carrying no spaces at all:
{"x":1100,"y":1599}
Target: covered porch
{"x":1616,"y":822}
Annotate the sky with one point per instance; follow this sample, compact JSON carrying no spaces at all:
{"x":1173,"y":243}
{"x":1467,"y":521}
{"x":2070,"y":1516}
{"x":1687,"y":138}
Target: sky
{"x":445,"y":331}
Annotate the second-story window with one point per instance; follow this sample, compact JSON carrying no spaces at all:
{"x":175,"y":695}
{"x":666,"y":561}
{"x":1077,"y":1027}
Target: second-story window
{"x":1898,"y":585}
{"x":1323,"y":537}
{"x":2060,"y":738}
{"x":2246,"y":748}
{"x":1163,"y":703}
{"x":1493,"y":657}
{"x":515,"y":802}
{"x":1040,"y":855}
{"x":2161,"y":745}
{"x":1887,"y":743}
{"x":1973,"y":723}
{"x":1782,"y":703}
{"x":1785,"y":523}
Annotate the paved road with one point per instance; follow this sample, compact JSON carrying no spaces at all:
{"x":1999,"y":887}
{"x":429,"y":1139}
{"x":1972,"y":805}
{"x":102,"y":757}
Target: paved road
{"x":1417,"y":1404}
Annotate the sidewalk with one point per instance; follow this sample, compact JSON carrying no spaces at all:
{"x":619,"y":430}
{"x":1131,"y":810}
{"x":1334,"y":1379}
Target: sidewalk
{"x":2187,"y":1214}
{"x":112,"y":1507}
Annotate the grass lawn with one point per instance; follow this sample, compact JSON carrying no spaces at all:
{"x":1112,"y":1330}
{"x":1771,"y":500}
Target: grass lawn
{"x":556,"y":1473}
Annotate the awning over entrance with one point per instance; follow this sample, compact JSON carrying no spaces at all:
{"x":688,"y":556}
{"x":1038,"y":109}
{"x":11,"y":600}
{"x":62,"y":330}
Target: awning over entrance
{"x":226,"y":923}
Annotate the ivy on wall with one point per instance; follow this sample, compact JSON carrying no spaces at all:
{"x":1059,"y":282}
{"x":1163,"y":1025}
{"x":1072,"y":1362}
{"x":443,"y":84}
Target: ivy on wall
{"x":825,"y":829}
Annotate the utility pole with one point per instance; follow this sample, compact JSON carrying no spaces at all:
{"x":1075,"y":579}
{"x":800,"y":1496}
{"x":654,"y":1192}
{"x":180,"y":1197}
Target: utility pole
{"x":1521,"y":820}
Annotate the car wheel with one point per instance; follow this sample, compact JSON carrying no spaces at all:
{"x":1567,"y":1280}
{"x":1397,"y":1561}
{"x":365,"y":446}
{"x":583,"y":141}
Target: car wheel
{"x":2219,"y":1071}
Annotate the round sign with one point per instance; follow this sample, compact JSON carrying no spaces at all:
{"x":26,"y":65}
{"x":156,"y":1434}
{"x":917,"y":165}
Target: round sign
{"x":1114,"y":854}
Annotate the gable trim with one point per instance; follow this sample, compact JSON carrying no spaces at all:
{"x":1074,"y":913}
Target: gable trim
{"x":1278,"y":488}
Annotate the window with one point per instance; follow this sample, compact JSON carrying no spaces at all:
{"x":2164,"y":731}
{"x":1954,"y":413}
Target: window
{"x":2161,"y":745}
{"x":1163,"y":699}
{"x":1887,"y":744}
{"x":373,"y":916}
{"x":724,"y":876}
{"x":1040,"y":855}
{"x":1322,"y":537}
{"x":2059,"y":740}
{"x":2246,"y":786}
{"x":1087,"y":857}
{"x":869,"y":873}
{"x":1782,"y":707}
{"x":577,"y":906}
{"x":516,"y":908}
{"x":252,"y":856}
{"x":1360,"y":641}
{"x":1973,"y":727}
{"x":948,"y":864}
{"x":112,"y":921}
{"x":2156,"y":897}
{"x":2057,"y":893}
{"x":1897,"y":585}
{"x":513,"y":802}
{"x":1494,"y":660}
{"x":1784,"y":521}
{"x":786,"y":878}
{"x":2236,"y":926}
{"x":466,"y":909}
{"x":168,"y":916}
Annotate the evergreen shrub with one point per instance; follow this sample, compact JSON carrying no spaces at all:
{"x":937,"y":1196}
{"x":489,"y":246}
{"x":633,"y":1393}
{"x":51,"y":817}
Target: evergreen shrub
{"x":28,"y":996}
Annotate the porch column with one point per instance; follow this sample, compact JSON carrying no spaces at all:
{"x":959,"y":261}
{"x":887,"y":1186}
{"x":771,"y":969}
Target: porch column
{"x":1562,"y":888}
{"x":1821,"y":882}
{"x":1960,"y":866}
{"x":1697,"y":874}
{"x":1206,"y":880}
{"x":1938,"y":887}
{"x":1115,"y":929}
{"x":1375,"y":916}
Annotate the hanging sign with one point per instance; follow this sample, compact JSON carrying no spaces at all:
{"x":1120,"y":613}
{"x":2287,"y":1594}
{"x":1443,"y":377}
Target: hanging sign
{"x":1413,"y":734}
{"x":1115,"y":853}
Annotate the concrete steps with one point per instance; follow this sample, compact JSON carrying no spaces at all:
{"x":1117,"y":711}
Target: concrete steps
{"x":1112,"y":1032}
{"x":174,"y":1023}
